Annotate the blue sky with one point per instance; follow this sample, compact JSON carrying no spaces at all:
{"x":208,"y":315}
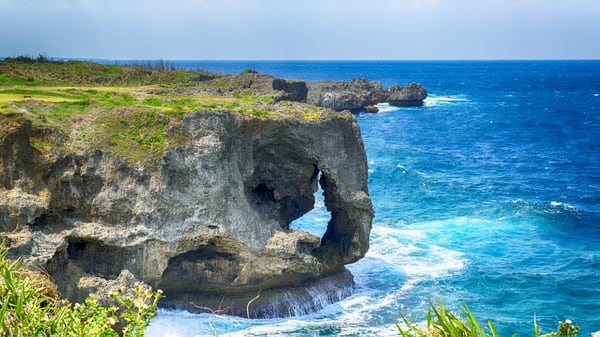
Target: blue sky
{"x":301,"y":29}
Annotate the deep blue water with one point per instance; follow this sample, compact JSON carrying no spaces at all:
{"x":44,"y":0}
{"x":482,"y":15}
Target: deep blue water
{"x":488,"y":194}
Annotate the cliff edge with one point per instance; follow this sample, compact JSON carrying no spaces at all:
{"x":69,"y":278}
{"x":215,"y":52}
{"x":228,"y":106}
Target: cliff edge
{"x":207,"y":221}
{"x":185,"y":180}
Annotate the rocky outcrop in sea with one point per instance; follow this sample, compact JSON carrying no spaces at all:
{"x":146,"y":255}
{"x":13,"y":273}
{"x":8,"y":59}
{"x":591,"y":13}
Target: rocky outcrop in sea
{"x":361,"y":93}
{"x":358,"y":94}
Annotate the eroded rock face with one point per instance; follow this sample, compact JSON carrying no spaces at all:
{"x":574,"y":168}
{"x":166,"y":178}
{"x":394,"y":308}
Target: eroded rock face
{"x":361,"y":93}
{"x":358,"y":94}
{"x":278,"y":88}
{"x":208,"y":223}
{"x":411,"y":95}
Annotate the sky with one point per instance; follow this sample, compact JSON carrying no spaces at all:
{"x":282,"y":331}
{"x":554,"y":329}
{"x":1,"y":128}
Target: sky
{"x":301,"y":29}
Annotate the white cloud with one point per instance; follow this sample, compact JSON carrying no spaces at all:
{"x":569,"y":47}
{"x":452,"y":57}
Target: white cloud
{"x":299,"y":29}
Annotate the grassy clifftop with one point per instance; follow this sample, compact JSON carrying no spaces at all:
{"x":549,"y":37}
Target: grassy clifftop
{"x":126,"y":109}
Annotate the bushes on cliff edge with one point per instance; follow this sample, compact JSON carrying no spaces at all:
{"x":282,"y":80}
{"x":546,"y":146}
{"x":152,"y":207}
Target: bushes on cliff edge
{"x":30,"y":306}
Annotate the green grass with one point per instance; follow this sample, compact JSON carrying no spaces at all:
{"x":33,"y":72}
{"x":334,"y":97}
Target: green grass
{"x":259,"y":112}
{"x":126,"y":110}
{"x":15,"y":72}
{"x":141,"y":130}
{"x":153,"y":101}
{"x":231,"y":105}
{"x":441,"y":322}
{"x":7,"y":80}
{"x":68,"y":94}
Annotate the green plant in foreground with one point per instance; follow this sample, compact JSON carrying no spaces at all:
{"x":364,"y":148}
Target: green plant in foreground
{"x":30,"y":306}
{"x":138,"y":310}
{"x":441,"y":322}
{"x":565,"y":329}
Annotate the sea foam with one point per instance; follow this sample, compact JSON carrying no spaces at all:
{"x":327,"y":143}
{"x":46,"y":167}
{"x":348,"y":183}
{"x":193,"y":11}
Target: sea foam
{"x":435,"y":100}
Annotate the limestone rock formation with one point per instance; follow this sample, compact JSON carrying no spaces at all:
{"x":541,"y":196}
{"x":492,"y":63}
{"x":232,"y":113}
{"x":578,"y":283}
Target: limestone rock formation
{"x":360,"y":93}
{"x":208,"y":222}
{"x":263,"y":84}
{"x":411,"y":95}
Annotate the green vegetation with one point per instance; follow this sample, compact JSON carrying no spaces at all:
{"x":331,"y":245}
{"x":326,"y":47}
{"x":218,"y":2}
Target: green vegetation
{"x":259,"y":112}
{"x":441,"y":322}
{"x":128,"y":110}
{"x":30,"y":306}
{"x":24,"y":70}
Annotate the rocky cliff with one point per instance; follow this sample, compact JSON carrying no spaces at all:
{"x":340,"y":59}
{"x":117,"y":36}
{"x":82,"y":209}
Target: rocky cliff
{"x":356,"y":95}
{"x":361,"y":93}
{"x":207,"y":221}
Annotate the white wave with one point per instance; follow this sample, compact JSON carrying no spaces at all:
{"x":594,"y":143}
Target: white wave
{"x":386,"y":107}
{"x":402,"y":168}
{"x":371,"y":169}
{"x":414,"y":254}
{"x":178,"y":323}
{"x":314,"y":328}
{"x":561,"y":204}
{"x":434,"y":100}
{"x":412,"y":234}
{"x":350,"y":318}
{"x":408,"y":252}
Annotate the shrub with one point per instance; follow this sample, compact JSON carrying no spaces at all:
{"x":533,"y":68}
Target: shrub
{"x":248,"y":71}
{"x":444,"y":323}
{"x":30,"y":306}
{"x":153,"y":101}
{"x":259,"y":112}
{"x":29,"y":59}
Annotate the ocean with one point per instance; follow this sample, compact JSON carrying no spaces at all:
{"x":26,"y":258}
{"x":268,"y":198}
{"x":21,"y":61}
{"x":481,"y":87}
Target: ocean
{"x":489,"y":195}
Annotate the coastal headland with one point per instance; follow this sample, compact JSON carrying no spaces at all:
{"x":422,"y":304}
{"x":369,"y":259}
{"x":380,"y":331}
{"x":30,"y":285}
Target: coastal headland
{"x":185,"y":180}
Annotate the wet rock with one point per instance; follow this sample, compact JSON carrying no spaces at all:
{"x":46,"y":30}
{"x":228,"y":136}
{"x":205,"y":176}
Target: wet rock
{"x":371,"y":108}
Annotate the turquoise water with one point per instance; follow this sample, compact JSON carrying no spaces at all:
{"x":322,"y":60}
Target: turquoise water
{"x":489,"y":194}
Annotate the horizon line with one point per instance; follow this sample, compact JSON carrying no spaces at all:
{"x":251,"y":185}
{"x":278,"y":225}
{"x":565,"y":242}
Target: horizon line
{"x":311,"y":59}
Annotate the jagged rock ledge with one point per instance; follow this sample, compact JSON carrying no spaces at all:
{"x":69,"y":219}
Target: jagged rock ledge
{"x":208,"y":222}
{"x":361,"y":93}
{"x":357,"y":95}
{"x":293,"y":300}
